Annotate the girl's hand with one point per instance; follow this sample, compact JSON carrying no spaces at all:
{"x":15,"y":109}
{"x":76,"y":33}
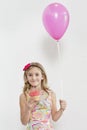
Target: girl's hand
{"x":63,"y":104}
{"x":31,"y":102}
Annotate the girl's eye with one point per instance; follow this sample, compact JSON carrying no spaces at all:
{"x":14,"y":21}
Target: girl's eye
{"x":37,"y":74}
{"x":29,"y":74}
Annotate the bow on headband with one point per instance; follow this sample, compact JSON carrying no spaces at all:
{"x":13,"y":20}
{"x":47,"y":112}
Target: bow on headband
{"x":26,"y":67}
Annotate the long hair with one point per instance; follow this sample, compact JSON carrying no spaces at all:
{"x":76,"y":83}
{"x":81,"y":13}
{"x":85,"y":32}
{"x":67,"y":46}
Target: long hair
{"x":44,"y":82}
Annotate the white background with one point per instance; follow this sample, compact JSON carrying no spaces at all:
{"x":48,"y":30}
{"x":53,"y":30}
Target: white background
{"x":23,"y":39}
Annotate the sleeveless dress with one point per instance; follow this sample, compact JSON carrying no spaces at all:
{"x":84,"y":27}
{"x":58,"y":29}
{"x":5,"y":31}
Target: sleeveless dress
{"x":41,"y":114}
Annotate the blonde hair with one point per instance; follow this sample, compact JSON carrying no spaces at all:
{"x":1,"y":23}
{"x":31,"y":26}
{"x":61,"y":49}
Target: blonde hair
{"x":44,"y":82}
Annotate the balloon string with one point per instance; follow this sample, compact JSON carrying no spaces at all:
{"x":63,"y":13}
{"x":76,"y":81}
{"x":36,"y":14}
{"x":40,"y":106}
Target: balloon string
{"x":60,"y":77}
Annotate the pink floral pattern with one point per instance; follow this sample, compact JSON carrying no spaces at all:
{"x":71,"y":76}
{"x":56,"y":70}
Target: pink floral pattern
{"x":41,"y":114}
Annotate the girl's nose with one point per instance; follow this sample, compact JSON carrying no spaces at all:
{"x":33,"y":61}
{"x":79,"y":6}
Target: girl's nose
{"x":33,"y":77}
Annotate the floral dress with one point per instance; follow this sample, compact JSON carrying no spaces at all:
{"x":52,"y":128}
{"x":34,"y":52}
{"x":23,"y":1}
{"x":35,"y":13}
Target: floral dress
{"x":41,"y":114}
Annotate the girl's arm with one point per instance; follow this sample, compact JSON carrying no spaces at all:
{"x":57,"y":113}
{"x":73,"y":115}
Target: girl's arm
{"x":24,"y":110}
{"x":56,"y":114}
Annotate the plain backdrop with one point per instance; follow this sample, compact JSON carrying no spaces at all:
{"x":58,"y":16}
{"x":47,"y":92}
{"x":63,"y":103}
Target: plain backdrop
{"x":24,"y":39}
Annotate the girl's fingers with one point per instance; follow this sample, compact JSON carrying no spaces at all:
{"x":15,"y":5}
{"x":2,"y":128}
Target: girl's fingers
{"x":32,"y":104}
{"x":63,"y":104}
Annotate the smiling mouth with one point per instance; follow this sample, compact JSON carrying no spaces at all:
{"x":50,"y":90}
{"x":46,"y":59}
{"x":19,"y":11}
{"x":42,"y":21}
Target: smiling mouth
{"x":33,"y":81}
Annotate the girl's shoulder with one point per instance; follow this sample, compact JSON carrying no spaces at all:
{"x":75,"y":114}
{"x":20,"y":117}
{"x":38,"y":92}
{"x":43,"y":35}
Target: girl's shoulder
{"x":52,"y":96}
{"x":51,"y":92}
{"x":22,"y":97}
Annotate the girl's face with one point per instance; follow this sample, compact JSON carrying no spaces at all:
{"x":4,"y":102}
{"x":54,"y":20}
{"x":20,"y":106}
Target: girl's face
{"x":34,"y":77}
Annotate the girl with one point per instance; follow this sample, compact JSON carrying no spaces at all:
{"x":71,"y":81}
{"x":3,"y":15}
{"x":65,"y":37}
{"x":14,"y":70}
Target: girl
{"x":37,"y":113}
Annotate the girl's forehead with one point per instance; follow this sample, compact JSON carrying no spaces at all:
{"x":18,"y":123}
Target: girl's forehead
{"x":34,"y":69}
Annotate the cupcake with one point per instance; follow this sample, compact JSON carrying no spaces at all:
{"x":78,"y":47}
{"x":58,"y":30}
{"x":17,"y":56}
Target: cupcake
{"x":35,"y":94}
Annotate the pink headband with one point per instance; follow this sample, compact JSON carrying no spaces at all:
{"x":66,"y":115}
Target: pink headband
{"x":26,"y":67}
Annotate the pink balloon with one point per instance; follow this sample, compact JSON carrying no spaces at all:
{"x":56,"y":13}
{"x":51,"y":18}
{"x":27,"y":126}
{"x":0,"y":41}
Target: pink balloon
{"x":56,"y":20}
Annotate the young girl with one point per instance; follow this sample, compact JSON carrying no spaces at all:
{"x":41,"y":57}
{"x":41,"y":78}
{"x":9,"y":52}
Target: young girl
{"x":37,"y":111}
